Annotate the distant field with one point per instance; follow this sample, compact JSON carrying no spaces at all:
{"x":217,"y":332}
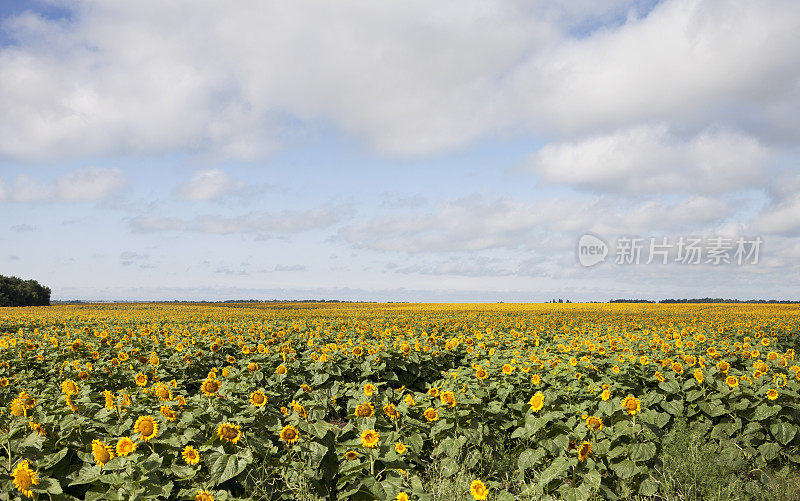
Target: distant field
{"x":378,"y":401}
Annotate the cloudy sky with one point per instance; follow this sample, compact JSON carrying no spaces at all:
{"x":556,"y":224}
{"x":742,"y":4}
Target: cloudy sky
{"x":385,"y":150}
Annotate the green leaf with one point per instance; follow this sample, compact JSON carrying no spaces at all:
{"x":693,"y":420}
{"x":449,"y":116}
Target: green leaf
{"x":557,"y":468}
{"x":674,"y":407}
{"x":625,"y":468}
{"x":648,"y":487}
{"x":769,"y":450}
{"x":642,"y":452}
{"x":783,"y":432}
{"x":529,"y":458}
{"x":224,"y":467}
{"x":765,"y":411}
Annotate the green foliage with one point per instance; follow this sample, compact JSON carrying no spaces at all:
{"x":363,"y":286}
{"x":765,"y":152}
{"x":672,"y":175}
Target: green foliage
{"x":17,"y":292}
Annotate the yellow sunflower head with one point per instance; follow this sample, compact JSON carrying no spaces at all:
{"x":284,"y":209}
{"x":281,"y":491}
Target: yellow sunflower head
{"x":25,"y":478}
{"x":369,"y":438}
{"x":594,"y":423}
{"x":584,"y":450}
{"x":147,"y":427}
{"x":190,"y":455}
{"x":478,"y":490}
{"x":289,"y":434}
{"x":102,"y":453}
{"x":258,"y":399}
{"x":125,"y":446}
{"x":537,"y":401}
{"x":431,"y":414}
{"x":229,"y":432}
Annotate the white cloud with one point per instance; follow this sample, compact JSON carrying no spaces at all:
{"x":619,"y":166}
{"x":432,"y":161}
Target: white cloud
{"x":652,"y":159}
{"x":238,"y":80}
{"x":782,"y":218}
{"x":480,"y":222}
{"x":211,"y":184}
{"x":82,"y":185}
{"x":262,"y":223}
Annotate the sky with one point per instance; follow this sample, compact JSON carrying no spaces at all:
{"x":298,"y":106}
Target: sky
{"x":400,"y":151}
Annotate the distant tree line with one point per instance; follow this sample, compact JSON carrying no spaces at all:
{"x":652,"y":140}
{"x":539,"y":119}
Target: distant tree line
{"x":708,"y":300}
{"x":720,"y":300}
{"x":17,"y":292}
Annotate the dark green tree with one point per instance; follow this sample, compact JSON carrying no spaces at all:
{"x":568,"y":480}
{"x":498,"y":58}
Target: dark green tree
{"x":17,"y":292}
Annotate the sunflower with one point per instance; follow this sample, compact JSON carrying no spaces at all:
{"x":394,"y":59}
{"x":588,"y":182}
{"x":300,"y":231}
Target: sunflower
{"x":203,"y":496}
{"x":299,"y":409}
{"x":478,"y":490}
{"x":24,"y":478}
{"x":350,"y":455}
{"x":431,"y":414}
{"x":18,"y":407}
{"x":584,"y":450}
{"x":102,"y":453}
{"x":168,"y":413}
{"x":162,"y":392}
{"x":38,"y":428}
{"x":369,"y":438}
{"x":448,"y":398}
{"x":125,"y":446}
{"x":190,"y":455}
{"x":537,"y":401}
{"x":147,"y":427}
{"x":400,"y":448}
{"x":772,"y":394}
{"x":258,"y":399}
{"x":365,"y":410}
{"x":210,"y":387}
{"x":289,"y":434}
{"x":111,"y":400}
{"x":481,"y":373}
{"x":229,"y":432}
{"x":594,"y":423}
{"x":632,"y":405}
{"x":280,"y":370}
{"x":252,"y":367}
{"x":391,"y":411}
{"x":141,"y":379}
{"x":536,"y":379}
{"x":369,"y":389}
{"x":507,"y":369}
{"x":698,"y":376}
{"x":605,"y":395}
{"x":402,"y":496}
{"x":409,"y":400}
{"x":433,"y":392}
{"x":732,"y":381}
{"x":69,"y":387}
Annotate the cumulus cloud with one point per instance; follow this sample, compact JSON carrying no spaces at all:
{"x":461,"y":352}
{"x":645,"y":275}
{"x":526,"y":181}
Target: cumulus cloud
{"x":259,"y":223}
{"x":782,"y":218}
{"x":22,"y":228}
{"x":211,"y":184}
{"x":479,"y":222}
{"x":415,"y":78}
{"x":82,"y":185}
{"x":652,"y":159}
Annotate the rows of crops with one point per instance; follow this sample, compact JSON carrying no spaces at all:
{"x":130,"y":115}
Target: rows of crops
{"x":356,"y":401}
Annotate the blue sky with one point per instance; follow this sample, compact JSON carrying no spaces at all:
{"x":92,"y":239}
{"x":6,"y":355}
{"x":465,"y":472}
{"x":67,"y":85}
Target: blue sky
{"x":395,"y":151}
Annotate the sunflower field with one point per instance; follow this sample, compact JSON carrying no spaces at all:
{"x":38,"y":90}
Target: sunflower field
{"x":356,"y":401}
